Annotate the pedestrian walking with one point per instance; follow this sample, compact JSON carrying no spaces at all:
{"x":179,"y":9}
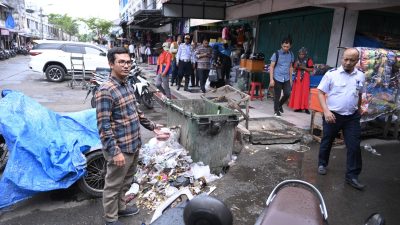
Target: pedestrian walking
{"x":303,"y":66}
{"x":164,"y":70}
{"x":194,"y":79}
{"x":148,"y":53}
{"x":342,"y":87}
{"x":132,"y":50}
{"x":217,"y":65}
{"x":281,"y":70}
{"x":203,"y":55}
{"x":118,"y":121}
{"x":185,"y":62}
{"x":173,"y":50}
{"x":142,"y":51}
{"x":226,"y":63}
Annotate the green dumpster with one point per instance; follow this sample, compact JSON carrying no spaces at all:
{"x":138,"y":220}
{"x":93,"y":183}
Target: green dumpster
{"x":207,"y":130}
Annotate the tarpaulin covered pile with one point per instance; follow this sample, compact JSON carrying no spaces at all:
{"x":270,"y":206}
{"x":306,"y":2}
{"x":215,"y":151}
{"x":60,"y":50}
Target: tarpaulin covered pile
{"x":381,"y":68}
{"x":45,"y":147}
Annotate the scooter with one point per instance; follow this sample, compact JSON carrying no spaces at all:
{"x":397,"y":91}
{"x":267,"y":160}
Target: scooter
{"x":293,"y":202}
{"x":141,"y":87}
{"x":99,"y":76}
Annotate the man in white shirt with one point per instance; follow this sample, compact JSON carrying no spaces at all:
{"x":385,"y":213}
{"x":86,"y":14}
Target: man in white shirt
{"x":132,"y":50}
{"x":340,"y":97}
{"x":184,"y":61}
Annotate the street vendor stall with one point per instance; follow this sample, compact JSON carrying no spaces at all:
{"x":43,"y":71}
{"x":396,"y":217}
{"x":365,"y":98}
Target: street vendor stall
{"x":382,"y":70}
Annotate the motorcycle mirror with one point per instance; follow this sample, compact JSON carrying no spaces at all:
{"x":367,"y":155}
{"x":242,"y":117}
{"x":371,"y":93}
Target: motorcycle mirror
{"x":375,"y":219}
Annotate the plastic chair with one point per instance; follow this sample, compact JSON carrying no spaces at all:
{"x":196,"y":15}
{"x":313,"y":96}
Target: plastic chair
{"x":256,"y":86}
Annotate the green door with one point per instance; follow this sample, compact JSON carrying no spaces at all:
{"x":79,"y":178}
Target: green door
{"x":310,"y":28}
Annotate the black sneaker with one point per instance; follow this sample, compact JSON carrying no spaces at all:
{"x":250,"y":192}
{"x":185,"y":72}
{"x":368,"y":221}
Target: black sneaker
{"x":277,"y":114}
{"x":114,"y":223}
{"x":306,"y":111}
{"x":129,"y":211}
{"x":281,"y":109}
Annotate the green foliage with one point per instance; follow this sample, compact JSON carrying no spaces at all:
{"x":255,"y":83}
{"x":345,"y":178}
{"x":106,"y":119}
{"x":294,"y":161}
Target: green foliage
{"x":66,"y":23}
{"x":100,"y":27}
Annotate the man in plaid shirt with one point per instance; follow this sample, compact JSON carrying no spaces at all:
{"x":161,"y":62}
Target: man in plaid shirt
{"x":118,"y":121}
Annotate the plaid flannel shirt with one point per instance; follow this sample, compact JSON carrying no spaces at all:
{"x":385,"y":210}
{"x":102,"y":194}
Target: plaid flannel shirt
{"x":118,"y":118}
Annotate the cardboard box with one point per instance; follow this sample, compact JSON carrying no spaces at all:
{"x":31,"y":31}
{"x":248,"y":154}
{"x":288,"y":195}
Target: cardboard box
{"x":255,"y":65}
{"x":243,"y":63}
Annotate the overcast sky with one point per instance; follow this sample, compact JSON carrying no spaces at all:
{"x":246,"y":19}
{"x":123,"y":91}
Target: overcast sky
{"x":106,"y":9}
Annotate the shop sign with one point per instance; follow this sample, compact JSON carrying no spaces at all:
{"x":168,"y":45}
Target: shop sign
{"x":5,"y":32}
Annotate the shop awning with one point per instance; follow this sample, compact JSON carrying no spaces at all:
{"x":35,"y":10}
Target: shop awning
{"x":149,"y":18}
{"x":196,"y":9}
{"x":2,"y":5}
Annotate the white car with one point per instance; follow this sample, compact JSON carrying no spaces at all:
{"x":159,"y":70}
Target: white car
{"x":53,"y":58}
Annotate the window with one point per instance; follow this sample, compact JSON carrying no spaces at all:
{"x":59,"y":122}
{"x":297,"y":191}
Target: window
{"x":73,"y":49}
{"x":47,"y":46}
{"x":91,"y":50}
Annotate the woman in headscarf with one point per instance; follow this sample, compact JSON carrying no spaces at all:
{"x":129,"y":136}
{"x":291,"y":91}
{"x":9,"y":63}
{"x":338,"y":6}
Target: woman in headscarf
{"x":303,"y":66}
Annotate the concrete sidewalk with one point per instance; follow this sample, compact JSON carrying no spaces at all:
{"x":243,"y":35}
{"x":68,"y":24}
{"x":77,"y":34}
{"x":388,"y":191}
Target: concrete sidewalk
{"x":258,"y":109}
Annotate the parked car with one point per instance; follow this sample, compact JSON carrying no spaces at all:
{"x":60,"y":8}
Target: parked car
{"x":53,"y":58}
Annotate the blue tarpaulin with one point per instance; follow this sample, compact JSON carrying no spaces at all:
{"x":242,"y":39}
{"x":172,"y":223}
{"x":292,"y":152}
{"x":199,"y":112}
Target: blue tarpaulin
{"x":46,"y":148}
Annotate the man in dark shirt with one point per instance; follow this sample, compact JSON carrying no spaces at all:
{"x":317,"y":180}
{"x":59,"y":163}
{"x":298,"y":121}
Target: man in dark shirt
{"x":118,"y":123}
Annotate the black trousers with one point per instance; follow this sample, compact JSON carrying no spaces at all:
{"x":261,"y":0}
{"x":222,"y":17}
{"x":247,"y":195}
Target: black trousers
{"x":279,"y":86}
{"x":203,"y":76}
{"x":185,"y":69}
{"x":350,"y":125}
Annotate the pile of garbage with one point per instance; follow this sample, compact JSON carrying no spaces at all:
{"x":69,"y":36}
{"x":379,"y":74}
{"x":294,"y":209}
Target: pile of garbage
{"x":164,"y":168}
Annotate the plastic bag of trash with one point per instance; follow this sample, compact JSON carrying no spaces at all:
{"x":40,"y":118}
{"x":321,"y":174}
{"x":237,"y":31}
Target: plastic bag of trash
{"x":369,"y":148}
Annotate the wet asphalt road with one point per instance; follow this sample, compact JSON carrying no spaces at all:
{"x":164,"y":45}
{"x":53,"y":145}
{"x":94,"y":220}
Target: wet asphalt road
{"x":244,"y":189}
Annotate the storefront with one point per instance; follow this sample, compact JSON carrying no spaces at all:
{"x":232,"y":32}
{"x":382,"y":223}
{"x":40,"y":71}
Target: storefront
{"x":310,"y":27}
{"x":378,"y":29}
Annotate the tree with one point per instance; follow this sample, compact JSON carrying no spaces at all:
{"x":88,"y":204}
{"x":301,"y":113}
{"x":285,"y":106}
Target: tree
{"x":66,"y":23}
{"x":100,"y":27}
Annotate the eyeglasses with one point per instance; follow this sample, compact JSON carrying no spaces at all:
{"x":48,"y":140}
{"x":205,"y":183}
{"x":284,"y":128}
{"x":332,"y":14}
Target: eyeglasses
{"x":123,"y":62}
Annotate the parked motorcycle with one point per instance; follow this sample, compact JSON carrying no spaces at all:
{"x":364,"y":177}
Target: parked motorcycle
{"x":294,"y":202}
{"x":141,"y":87}
{"x":3,"y":153}
{"x":91,"y":183}
{"x":99,"y":76}
{"x":5,"y":53}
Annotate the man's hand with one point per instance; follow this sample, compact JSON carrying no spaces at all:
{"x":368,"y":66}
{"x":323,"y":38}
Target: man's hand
{"x":271,"y":83}
{"x":157,"y":129}
{"x":119,"y":160}
{"x":329,"y":117}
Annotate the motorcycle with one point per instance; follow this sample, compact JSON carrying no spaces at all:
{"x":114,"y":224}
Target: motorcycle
{"x":99,"y":76}
{"x":3,"y":153}
{"x":91,"y":183}
{"x":294,"y":202}
{"x":141,"y":87}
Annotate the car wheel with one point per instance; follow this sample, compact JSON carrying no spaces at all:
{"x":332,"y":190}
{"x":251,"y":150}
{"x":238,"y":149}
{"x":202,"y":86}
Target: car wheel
{"x":55,"y":73}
